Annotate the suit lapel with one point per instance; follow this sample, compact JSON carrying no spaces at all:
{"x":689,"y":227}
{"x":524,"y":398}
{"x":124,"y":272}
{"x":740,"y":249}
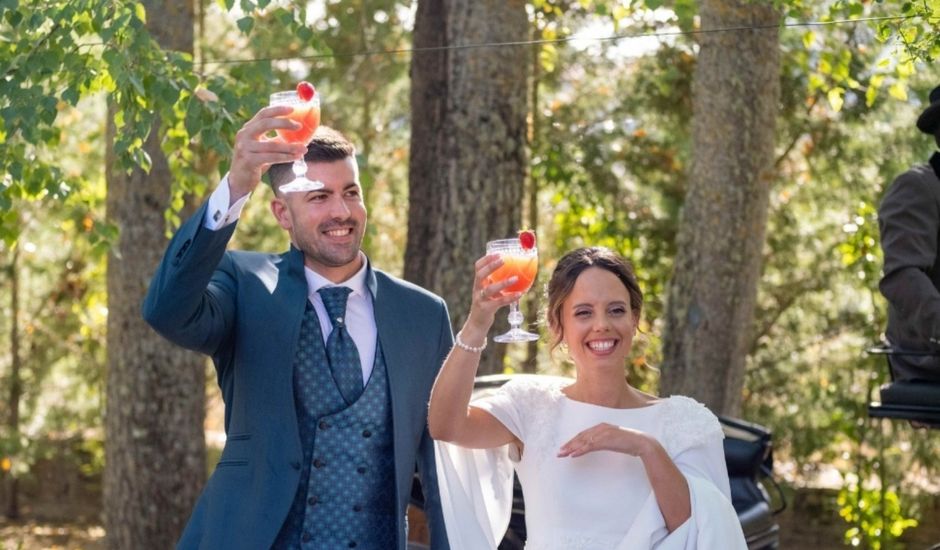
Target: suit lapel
{"x":388,"y":324}
{"x":288,"y":298}
{"x":289,"y":295}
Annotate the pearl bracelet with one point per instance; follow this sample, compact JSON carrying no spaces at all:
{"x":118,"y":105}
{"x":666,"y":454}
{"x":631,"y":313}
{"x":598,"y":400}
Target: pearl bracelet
{"x":471,"y":349}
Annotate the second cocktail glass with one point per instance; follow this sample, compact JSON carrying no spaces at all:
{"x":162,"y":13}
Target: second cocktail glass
{"x":524,"y":264}
{"x":306,"y":113}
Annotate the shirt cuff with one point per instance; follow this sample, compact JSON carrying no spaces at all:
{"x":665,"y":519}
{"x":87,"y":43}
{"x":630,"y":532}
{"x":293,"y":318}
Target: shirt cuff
{"x":219,"y":214}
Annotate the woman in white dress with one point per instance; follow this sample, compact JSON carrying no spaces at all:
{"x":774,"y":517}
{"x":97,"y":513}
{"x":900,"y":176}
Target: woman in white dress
{"x":602,"y":465}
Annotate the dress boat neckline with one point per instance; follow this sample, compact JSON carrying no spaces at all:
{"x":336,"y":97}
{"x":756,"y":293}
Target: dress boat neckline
{"x":563,"y":395}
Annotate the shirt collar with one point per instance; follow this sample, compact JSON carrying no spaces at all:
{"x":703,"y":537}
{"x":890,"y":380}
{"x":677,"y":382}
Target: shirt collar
{"x":357,"y":283}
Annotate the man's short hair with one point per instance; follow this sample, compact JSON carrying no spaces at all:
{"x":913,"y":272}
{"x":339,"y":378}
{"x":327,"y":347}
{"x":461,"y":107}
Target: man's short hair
{"x":328,"y":145}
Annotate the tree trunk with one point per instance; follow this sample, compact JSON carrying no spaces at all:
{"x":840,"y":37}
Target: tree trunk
{"x":533,"y":299}
{"x":155,"y":446}
{"x":468,"y":136}
{"x":16,"y":382}
{"x":712,"y":294}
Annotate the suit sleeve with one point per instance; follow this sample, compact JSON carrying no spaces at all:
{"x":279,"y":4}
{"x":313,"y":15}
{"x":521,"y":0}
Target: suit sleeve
{"x":427,"y":469}
{"x":909,"y":221}
{"x":191,"y":299}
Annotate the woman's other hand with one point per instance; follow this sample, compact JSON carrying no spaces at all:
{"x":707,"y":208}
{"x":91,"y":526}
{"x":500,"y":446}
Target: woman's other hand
{"x":608,"y":437}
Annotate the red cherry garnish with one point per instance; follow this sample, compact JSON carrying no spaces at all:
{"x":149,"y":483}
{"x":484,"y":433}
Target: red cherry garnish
{"x":305,"y":91}
{"x":527,"y":239}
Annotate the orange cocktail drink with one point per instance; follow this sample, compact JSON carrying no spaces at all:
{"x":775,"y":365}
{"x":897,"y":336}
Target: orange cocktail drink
{"x":520,"y":259}
{"x":523,"y":266}
{"x":308,"y":116}
{"x":305,"y":110}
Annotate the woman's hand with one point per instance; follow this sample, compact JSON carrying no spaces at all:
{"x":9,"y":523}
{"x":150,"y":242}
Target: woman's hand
{"x":668,"y":483}
{"x":608,"y":437}
{"x":487,"y":298}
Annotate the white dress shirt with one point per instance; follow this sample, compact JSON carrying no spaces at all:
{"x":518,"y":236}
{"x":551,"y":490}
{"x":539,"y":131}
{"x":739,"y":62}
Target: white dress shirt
{"x":360,"y":315}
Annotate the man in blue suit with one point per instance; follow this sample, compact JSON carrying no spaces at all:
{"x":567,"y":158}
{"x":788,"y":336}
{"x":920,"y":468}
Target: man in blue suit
{"x":325,"y":363}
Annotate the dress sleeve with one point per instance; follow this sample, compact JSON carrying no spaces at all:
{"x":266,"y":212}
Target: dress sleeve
{"x":509,"y":404}
{"x":476,"y":484}
{"x":476,"y":494}
{"x":693,"y":439}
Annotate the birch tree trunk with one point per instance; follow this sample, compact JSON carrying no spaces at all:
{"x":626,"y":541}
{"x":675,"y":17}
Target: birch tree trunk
{"x":710,"y":310}
{"x":468,"y":145}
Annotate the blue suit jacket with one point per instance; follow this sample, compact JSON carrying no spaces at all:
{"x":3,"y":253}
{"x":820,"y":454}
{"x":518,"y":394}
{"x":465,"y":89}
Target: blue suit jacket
{"x":245,"y":310}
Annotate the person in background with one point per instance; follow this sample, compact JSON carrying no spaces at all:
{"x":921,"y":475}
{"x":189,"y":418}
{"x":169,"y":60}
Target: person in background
{"x":909,"y":221}
{"x":325,"y":362}
{"x":601,"y":464}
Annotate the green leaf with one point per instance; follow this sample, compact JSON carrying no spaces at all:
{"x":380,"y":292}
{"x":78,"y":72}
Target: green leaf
{"x":137,"y":84}
{"x":13,"y":18}
{"x":874,"y":85}
{"x":836,"y":98}
{"x":685,"y":13}
{"x":808,"y":38}
{"x":898,"y":91}
{"x":245,"y":24}
{"x":140,"y":12}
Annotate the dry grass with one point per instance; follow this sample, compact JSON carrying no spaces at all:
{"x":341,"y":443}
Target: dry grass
{"x":50,"y":536}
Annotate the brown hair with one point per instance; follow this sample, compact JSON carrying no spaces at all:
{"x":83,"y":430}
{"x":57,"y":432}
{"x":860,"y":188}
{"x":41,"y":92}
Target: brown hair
{"x":570,"y":267}
{"x":328,"y":145}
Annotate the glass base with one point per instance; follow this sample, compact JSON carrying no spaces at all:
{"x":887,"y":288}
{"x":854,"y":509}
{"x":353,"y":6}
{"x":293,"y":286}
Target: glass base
{"x":301,"y":185}
{"x":515,"y":335}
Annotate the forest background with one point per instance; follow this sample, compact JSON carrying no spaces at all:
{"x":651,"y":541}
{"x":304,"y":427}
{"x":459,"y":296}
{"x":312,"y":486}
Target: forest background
{"x":735,"y":151}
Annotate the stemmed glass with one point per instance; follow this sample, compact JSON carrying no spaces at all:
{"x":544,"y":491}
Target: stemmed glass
{"x":524,"y":264}
{"x":307,"y":113}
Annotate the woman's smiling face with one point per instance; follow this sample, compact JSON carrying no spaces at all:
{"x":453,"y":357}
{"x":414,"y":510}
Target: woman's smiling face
{"x":597,"y":323}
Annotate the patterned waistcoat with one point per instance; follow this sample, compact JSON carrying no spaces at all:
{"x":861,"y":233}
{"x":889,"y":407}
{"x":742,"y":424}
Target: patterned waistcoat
{"x":346,"y":496}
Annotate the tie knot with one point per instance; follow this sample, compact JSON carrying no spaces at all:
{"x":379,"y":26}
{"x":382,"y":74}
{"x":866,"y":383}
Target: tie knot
{"x":334,"y":299}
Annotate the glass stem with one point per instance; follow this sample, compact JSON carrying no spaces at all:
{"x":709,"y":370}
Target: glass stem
{"x":515,"y":316}
{"x":299,"y":168}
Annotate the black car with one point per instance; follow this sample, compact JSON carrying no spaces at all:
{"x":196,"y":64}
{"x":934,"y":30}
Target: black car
{"x":748,"y":455}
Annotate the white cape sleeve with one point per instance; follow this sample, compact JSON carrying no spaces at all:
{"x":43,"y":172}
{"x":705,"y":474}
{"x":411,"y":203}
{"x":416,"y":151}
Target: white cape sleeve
{"x":476,"y":484}
{"x":695,"y":445}
{"x":713,"y":523}
{"x":476,"y":494}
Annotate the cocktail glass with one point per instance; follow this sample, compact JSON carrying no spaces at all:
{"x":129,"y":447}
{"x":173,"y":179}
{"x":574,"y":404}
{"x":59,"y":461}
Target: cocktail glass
{"x":524,"y":264}
{"x":307,"y":113}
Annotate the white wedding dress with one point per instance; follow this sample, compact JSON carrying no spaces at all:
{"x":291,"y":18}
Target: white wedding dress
{"x":599,"y":501}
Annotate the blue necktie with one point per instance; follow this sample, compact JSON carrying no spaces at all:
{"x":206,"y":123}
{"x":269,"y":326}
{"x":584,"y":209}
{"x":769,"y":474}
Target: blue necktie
{"x":340,"y":348}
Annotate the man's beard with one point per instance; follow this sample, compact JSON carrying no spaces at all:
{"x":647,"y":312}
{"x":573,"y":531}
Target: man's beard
{"x":331,"y":256}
